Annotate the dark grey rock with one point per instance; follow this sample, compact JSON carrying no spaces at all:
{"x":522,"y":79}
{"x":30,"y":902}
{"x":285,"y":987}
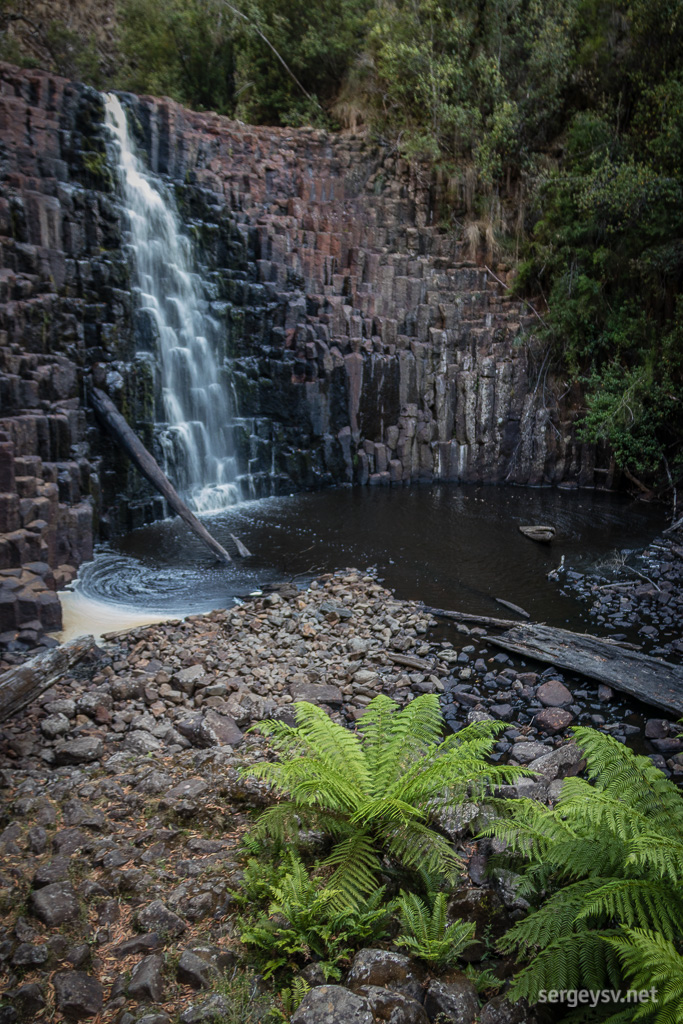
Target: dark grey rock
{"x":456,"y":1000}
{"x":332,"y":1004}
{"x":394,"y":1006}
{"x":30,"y":1000}
{"x":138,"y":944}
{"x":28,"y":955}
{"x":386,"y":969}
{"x":210,"y":1011}
{"x":558,"y":763}
{"x":55,"y":870}
{"x":146,"y":983}
{"x":82,"y":750}
{"x":316,"y":693}
{"x":500,"y":1010}
{"x":158,"y":918}
{"x":55,"y":904}
{"x":193,"y":970}
{"x":78,"y":994}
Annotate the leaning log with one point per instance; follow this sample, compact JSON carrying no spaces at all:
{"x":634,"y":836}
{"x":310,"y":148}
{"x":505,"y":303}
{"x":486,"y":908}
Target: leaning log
{"x":21,"y":685}
{"x":648,"y":679}
{"x":150,"y":468}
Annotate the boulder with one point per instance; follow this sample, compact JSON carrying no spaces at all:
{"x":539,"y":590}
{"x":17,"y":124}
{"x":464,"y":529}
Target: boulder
{"x":158,"y":918}
{"x":383,"y":968}
{"x":393,"y":1007}
{"x":452,"y":1002}
{"x":78,"y":994}
{"x":332,"y":1004}
{"x":55,"y":904}
{"x":146,"y":983}
{"x":82,"y":750}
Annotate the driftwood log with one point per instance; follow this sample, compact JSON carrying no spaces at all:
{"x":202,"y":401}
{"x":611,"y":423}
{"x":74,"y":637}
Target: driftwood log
{"x":481,"y":620}
{"x":22,"y":684}
{"x":115,"y":423}
{"x":650,"y":680}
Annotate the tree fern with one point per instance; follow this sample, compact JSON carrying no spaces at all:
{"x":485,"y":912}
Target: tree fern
{"x":604,"y":867}
{"x":373,"y":790}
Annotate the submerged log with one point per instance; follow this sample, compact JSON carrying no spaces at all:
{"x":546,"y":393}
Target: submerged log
{"x":542,"y":534}
{"x":513,"y":607}
{"x":648,"y":679}
{"x":22,"y":684}
{"x":150,"y":468}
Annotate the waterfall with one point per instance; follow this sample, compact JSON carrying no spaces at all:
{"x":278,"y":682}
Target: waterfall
{"x":195,"y":437}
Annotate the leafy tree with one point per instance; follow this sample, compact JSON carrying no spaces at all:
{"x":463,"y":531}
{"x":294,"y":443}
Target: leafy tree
{"x":372,"y":790}
{"x":180,"y":48}
{"x":604,"y":871}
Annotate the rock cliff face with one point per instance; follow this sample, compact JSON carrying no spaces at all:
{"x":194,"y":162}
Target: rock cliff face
{"x":363,"y":346}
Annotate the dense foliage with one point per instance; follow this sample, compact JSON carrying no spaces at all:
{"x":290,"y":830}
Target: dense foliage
{"x":355,"y":808}
{"x":558,"y":125}
{"x":604,"y":871}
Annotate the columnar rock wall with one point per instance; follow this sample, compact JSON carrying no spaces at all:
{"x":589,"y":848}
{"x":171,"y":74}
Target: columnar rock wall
{"x":367,"y":347}
{"x":361,"y":345}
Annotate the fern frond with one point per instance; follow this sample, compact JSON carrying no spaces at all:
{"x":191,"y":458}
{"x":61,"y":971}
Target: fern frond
{"x":651,"y":961}
{"x":578,"y":960}
{"x":356,"y":868}
{"x":636,"y":902}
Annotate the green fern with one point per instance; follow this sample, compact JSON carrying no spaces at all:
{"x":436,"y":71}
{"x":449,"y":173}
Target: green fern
{"x":372,"y":791}
{"x":304,"y":922}
{"x":426,"y":932}
{"x":605,"y":866}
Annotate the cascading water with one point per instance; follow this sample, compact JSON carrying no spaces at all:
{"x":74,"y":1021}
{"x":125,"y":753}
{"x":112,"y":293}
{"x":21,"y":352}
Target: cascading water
{"x":195,"y":437}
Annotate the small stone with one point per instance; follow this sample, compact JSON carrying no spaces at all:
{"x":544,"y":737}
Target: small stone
{"x":210,"y":1011}
{"x":83,"y":750}
{"x":78,"y":994}
{"x":316,"y":693}
{"x":528,"y":750}
{"x":27,"y":955}
{"x":554,"y":694}
{"x":55,"y":904}
{"x":193,"y":970}
{"x":56,"y":870}
{"x":146,"y":982}
{"x":553,"y":720}
{"x":158,"y":918}
{"x":55,"y":725}
{"x":138,"y":944}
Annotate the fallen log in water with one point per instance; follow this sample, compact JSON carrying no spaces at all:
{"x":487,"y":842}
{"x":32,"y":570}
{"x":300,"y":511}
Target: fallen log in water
{"x":482,"y":620}
{"x":150,"y":468}
{"x":22,"y":684}
{"x":513,"y":607}
{"x":650,"y":680}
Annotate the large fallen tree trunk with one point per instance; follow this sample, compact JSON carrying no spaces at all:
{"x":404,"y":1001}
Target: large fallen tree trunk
{"x":650,"y":680}
{"x":150,"y":468}
{"x":21,"y":685}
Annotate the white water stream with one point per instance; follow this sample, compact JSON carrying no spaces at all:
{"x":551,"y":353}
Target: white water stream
{"x":195,"y":436}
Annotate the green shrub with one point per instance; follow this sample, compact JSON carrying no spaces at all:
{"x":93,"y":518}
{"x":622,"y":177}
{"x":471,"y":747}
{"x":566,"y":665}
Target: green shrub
{"x":304,"y":922}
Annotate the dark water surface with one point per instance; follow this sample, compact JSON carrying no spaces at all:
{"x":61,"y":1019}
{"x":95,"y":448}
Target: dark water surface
{"x":452,"y":547}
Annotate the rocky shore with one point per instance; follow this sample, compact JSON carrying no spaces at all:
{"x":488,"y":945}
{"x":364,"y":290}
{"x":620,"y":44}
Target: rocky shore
{"x":123,"y":810}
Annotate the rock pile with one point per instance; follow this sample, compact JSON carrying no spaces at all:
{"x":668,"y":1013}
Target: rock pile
{"x":124,"y":809}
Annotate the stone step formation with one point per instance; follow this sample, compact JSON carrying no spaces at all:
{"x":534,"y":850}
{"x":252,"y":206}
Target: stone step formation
{"x":359,"y":340}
